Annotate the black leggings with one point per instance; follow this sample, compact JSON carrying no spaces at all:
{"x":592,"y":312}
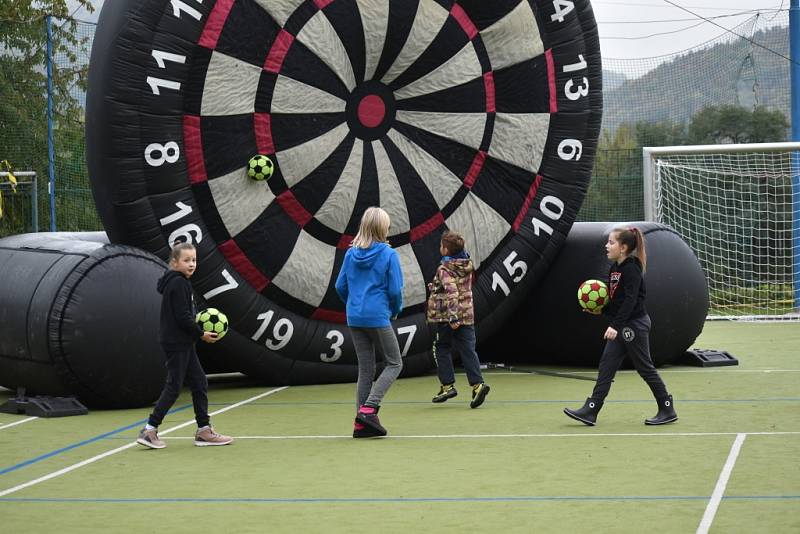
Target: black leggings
{"x":633,"y":340}
{"x":183,"y":366}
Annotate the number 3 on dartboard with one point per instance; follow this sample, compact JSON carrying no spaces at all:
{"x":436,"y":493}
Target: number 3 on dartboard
{"x":336,"y":347}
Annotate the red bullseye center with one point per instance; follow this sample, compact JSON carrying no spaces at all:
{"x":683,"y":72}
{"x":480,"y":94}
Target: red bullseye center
{"x":371,"y":111}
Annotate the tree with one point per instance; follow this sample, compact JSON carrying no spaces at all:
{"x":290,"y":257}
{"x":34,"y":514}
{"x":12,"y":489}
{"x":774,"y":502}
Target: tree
{"x":662,"y":133}
{"x":23,"y":80}
{"x":617,"y":170}
{"x":735,"y":124}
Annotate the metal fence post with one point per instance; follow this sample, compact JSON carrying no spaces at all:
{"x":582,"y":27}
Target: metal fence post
{"x":35,"y":203}
{"x":51,"y":155}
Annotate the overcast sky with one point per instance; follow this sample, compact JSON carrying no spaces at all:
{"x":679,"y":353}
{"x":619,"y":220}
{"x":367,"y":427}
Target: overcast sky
{"x":633,"y":19}
{"x":626,"y":18}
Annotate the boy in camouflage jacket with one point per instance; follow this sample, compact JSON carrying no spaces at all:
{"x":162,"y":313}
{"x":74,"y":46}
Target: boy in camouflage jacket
{"x":450,"y":308}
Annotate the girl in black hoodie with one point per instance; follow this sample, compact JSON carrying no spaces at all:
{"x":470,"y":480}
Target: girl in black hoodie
{"x":629,"y":330}
{"x":177,"y":334}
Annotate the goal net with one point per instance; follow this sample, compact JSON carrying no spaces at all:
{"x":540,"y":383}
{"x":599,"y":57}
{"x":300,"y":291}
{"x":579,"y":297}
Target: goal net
{"x":738,"y":208}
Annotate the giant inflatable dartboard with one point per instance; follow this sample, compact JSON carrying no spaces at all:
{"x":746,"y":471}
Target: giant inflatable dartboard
{"x":479,"y":116}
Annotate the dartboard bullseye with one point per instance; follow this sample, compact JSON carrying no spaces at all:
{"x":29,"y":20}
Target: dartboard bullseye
{"x":371,"y":111}
{"x":476,"y":116}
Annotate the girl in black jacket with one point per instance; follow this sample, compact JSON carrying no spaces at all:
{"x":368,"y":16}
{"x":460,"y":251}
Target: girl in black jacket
{"x":629,"y":330}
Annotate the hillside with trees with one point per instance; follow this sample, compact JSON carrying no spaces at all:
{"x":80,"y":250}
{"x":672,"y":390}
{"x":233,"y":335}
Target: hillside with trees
{"x":733,"y":72}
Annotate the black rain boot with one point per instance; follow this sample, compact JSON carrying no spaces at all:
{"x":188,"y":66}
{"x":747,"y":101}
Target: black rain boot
{"x":588,"y":413}
{"x":666,"y":412}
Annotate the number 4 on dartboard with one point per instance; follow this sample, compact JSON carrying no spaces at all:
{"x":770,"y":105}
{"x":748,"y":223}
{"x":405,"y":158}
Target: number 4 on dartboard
{"x":563,"y":8}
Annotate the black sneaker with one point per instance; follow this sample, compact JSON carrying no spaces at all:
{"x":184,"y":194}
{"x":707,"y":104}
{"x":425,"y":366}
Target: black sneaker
{"x":368,"y":416}
{"x":447,"y":391}
{"x":363,"y":431}
{"x":479,"y":392}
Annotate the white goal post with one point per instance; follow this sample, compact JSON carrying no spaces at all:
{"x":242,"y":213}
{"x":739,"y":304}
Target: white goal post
{"x":738,"y":208}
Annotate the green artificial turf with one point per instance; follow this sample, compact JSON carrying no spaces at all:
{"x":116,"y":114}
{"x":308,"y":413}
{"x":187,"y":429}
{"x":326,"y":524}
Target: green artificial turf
{"x":516,"y":464}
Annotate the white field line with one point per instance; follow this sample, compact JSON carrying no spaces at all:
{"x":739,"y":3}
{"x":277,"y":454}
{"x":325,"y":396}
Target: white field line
{"x":722,"y":482}
{"x":504,"y":436}
{"x":15,"y":423}
{"x":500,"y":372}
{"x":93,"y":459}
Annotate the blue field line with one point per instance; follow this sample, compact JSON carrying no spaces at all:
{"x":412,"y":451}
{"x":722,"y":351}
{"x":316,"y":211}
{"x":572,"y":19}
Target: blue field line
{"x":56,"y":452}
{"x":521,"y":401}
{"x":391,"y":500}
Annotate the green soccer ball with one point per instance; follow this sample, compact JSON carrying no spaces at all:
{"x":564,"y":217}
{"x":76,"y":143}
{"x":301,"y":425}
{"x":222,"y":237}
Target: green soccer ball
{"x":213,"y":320}
{"x":593,"y":295}
{"x":260,"y":167}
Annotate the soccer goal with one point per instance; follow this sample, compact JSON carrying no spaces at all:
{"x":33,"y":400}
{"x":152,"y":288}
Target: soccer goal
{"x":738,"y":208}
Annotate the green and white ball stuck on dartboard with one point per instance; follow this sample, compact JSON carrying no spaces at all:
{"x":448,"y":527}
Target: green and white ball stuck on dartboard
{"x":593,"y":295}
{"x":260,"y":167}
{"x":213,"y":320}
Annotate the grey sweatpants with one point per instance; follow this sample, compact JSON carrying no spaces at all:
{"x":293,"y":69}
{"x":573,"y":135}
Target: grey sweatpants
{"x":365,"y":341}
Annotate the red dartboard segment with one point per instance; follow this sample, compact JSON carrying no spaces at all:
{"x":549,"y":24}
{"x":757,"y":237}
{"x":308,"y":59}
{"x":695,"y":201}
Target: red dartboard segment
{"x":278,"y":52}
{"x":433,"y":118}
{"x":216,"y":21}
{"x":192,"y":138}
{"x":457,"y":12}
{"x":263,"y":132}
{"x":488,"y":84}
{"x":243,"y":265}
{"x":551,"y":81}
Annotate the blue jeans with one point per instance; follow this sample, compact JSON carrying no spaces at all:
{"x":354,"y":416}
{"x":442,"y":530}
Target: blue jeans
{"x":463,"y":340}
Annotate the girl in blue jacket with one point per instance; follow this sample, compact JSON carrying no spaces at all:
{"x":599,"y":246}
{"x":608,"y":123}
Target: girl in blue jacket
{"x":370,"y":283}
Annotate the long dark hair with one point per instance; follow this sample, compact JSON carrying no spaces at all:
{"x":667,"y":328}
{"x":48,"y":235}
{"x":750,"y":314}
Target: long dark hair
{"x":633,"y":239}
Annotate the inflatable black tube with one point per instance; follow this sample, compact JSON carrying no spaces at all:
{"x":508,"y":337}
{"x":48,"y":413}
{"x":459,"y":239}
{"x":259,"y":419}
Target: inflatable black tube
{"x":182,"y":93}
{"x":551,"y":329}
{"x":80,"y":318}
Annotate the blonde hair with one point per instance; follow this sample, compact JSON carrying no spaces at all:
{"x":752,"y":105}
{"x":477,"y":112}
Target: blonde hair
{"x":374,"y":228}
